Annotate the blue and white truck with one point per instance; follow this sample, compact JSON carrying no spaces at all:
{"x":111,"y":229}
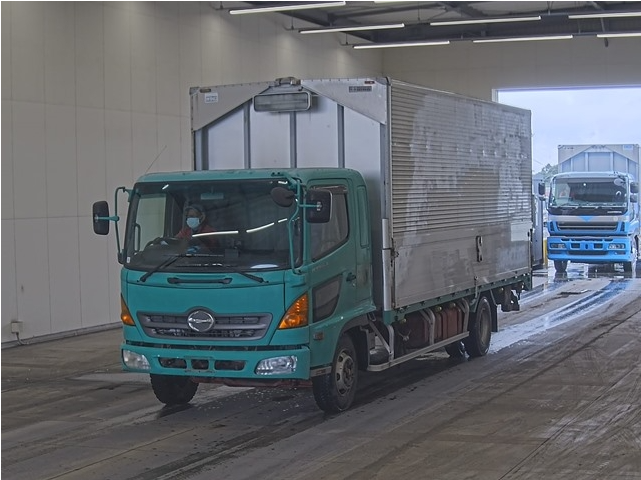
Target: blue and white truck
{"x":593,"y":206}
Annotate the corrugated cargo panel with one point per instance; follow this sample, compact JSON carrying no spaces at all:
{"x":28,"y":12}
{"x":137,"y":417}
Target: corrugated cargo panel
{"x":456,"y":161}
{"x":461,"y":170}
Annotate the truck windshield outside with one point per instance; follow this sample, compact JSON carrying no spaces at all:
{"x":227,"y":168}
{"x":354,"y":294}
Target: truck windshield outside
{"x":589,"y":193}
{"x":210,"y":225}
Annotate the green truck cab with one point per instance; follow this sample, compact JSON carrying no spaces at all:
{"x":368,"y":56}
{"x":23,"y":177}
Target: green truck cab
{"x":290,"y":261}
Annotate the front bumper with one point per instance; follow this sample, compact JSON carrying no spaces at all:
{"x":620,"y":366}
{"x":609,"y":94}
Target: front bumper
{"x":289,"y":363}
{"x":590,"y":250}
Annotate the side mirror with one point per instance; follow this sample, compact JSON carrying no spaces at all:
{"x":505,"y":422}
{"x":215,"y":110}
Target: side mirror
{"x":634,"y":187}
{"x":541,"y":188}
{"x":282,"y":196}
{"x":101,"y":218}
{"x":318,"y":205}
{"x":634,"y":198}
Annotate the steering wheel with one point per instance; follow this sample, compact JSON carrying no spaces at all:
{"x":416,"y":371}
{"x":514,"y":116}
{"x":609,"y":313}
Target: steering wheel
{"x":163,"y":241}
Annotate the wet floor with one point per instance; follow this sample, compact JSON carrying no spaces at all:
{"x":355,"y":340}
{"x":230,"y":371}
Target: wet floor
{"x":557,"y":397}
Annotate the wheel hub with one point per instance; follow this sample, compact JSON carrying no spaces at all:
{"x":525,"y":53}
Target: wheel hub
{"x":344,"y":373}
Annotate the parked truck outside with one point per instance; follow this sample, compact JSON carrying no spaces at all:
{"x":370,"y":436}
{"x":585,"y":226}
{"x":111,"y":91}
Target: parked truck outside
{"x":357,"y":224}
{"x":593,"y":206}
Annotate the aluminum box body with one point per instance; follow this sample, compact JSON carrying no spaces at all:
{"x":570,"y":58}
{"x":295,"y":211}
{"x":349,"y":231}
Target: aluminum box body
{"x":449,"y":177}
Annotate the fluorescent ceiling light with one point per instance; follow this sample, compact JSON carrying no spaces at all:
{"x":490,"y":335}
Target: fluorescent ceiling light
{"x":400,"y":44}
{"x":579,"y":16}
{"x":523,"y":39}
{"x":285,"y":8}
{"x":485,"y":20}
{"x":613,"y":35}
{"x":351,"y":29}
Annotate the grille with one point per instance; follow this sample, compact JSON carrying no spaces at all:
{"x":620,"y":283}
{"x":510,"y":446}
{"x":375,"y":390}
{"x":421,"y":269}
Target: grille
{"x":227,"y":327}
{"x":595,"y":246}
{"x":587,"y":227}
{"x":588,"y":253}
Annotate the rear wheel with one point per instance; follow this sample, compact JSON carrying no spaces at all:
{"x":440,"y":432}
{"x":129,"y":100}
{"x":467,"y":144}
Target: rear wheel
{"x":560,"y":265}
{"x":335,"y":391}
{"x":478,"y":343}
{"x":173,"y":389}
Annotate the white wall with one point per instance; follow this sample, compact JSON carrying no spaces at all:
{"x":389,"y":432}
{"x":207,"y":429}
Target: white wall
{"x":92,"y":93}
{"x":478,"y":69}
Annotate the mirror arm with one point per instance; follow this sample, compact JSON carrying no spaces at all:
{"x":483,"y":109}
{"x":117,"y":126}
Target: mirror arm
{"x":116,"y":218}
{"x":290,"y":224}
{"x":112,"y":218}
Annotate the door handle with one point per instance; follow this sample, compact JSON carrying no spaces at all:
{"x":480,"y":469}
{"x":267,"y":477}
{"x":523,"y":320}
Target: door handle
{"x":350,"y":277}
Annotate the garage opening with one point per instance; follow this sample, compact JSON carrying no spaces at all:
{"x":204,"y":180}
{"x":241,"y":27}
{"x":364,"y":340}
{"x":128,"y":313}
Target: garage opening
{"x":577,"y":116}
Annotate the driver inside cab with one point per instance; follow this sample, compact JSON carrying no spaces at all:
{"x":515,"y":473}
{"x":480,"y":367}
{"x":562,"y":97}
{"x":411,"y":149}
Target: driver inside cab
{"x":196,"y":229}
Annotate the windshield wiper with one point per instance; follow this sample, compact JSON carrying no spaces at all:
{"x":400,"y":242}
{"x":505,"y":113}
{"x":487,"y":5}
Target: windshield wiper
{"x":172,"y":259}
{"x":564,"y":207}
{"x":234,"y":269}
{"x":162,"y":265}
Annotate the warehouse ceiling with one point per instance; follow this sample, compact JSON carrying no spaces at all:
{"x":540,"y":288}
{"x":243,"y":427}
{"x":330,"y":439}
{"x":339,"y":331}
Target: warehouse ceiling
{"x":484,"y":21}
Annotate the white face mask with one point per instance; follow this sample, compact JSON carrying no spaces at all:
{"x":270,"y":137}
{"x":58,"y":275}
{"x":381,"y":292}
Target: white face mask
{"x":193,"y":222}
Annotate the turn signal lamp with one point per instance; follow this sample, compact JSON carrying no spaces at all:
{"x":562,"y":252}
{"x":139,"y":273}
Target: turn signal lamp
{"x":296,"y":314}
{"x":125,"y":316}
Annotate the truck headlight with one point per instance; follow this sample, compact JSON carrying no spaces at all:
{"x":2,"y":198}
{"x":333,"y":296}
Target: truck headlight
{"x":616,"y":246}
{"x":556,"y":245}
{"x":135,"y":361}
{"x":277,"y":365}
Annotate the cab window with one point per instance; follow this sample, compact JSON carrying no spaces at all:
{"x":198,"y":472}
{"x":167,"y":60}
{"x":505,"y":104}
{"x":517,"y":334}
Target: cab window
{"x":327,"y":237}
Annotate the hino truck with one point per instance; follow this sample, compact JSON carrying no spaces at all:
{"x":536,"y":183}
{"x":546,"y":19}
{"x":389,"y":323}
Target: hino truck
{"x":593,"y":206}
{"x":356,"y":223}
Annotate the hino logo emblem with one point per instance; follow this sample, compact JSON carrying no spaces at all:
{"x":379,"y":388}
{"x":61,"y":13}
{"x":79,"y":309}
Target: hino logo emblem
{"x":200,"y":321}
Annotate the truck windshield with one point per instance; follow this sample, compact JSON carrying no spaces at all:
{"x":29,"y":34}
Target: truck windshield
{"x":596,"y":192}
{"x":209,"y":226}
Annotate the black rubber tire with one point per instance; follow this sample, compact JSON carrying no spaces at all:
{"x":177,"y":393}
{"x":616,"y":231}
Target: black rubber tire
{"x":631,"y":266}
{"x":455,"y":350}
{"x":560,"y":265}
{"x":480,"y":328}
{"x":335,"y":391}
{"x":173,"y":389}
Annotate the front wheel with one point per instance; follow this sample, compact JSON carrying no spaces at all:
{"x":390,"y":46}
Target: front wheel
{"x":335,"y":391}
{"x":478,"y":343}
{"x":630,"y":266}
{"x":560,"y":266}
{"x":173,"y":389}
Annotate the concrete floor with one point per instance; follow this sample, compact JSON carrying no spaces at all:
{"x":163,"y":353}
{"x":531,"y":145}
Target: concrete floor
{"x":559,"y":400}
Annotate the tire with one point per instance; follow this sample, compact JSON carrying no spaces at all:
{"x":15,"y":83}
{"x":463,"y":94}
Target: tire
{"x":172,"y":389}
{"x":335,"y":391}
{"x":455,"y":350}
{"x":480,"y":328}
{"x":631,"y":266}
{"x":560,"y":265}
